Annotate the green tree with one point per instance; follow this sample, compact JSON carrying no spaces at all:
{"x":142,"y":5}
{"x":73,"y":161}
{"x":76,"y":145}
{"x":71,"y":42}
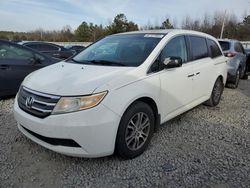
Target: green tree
{"x":166,"y":24}
{"x":89,"y":32}
{"x":120,"y":24}
{"x":82,"y":32}
{"x":96,"y":31}
{"x":246,"y":20}
{"x":243,"y":29}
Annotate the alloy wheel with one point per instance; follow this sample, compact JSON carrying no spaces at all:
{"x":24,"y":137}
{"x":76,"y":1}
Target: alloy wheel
{"x":137,"y":131}
{"x":237,"y":78}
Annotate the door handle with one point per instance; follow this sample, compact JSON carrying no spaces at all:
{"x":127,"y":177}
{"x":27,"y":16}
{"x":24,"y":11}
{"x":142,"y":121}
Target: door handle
{"x":4,"y":67}
{"x":190,"y":75}
{"x":197,"y":73}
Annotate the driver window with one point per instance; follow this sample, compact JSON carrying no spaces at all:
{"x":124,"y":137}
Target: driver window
{"x":176,"y":47}
{"x":8,"y":51}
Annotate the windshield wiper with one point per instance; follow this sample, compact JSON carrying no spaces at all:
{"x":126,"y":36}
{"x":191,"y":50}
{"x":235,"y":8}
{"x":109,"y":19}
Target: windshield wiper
{"x":106,"y":62}
{"x":80,"y":62}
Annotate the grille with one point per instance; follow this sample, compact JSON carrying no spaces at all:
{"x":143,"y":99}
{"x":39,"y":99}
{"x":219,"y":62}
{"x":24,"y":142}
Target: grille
{"x":35,"y":103}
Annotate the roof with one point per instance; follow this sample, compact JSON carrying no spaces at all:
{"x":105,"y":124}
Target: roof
{"x":228,"y":40}
{"x":161,"y":31}
{"x":166,"y":31}
{"x":26,"y":41}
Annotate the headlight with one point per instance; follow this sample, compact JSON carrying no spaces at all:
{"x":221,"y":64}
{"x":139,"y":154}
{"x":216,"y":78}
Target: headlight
{"x":72,"y":104}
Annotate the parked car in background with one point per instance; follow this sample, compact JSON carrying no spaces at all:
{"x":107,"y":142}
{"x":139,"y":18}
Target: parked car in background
{"x":113,"y":95}
{"x":247,"y":50}
{"x":236,"y":66}
{"x":75,"y":48}
{"x":49,"y":49}
{"x":16,"y":62}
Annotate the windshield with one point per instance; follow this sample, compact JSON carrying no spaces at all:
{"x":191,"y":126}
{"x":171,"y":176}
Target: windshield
{"x":224,"y":45}
{"x":119,"y":50}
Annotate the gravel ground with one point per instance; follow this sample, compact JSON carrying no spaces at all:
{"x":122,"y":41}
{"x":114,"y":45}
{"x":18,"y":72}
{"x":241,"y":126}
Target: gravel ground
{"x":205,"y":147}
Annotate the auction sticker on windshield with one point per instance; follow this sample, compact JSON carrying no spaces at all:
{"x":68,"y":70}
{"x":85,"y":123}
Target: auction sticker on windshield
{"x":153,"y":35}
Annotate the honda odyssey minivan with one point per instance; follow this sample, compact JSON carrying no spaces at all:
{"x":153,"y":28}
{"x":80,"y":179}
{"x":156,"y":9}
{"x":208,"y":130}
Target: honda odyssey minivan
{"x":112,"y":97}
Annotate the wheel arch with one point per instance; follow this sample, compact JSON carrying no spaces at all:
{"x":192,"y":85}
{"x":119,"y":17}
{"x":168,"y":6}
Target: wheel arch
{"x":153,"y":105}
{"x":222,"y":78}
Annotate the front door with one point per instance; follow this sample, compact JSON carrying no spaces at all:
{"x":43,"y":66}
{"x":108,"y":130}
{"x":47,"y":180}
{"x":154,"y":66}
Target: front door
{"x":176,"y":83}
{"x":15,"y":63}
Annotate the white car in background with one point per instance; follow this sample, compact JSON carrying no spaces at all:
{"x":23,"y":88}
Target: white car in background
{"x":114,"y":95}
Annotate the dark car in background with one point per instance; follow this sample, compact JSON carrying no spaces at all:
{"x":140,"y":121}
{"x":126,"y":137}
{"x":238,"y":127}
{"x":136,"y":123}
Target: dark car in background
{"x":75,"y":48}
{"x":236,"y":66}
{"x":16,"y":62}
{"x":247,"y":50}
{"x":49,"y":49}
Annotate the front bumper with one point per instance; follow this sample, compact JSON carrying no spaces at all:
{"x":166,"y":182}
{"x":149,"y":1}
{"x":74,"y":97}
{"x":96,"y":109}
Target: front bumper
{"x":94,"y":130}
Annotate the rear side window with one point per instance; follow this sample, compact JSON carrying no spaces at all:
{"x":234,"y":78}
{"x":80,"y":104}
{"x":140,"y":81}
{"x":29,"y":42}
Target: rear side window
{"x":33,"y":46}
{"x":48,"y":47}
{"x":238,"y":47}
{"x":213,"y":48}
{"x":198,"y":47}
{"x":8,"y":51}
{"x":224,"y":45}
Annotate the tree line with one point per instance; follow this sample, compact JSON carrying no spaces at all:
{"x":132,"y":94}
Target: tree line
{"x":89,"y":32}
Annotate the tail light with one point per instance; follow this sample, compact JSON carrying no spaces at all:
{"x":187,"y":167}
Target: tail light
{"x":229,"y":54}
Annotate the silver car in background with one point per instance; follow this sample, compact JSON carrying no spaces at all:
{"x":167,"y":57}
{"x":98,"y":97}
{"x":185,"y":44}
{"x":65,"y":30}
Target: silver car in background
{"x":236,"y":66}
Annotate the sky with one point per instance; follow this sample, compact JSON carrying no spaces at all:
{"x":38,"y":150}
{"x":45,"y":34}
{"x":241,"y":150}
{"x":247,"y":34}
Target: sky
{"x":28,"y":15}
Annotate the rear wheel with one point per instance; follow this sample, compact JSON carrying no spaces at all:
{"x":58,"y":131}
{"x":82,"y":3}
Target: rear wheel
{"x":236,"y":81}
{"x":216,"y":93}
{"x":135,"y":130}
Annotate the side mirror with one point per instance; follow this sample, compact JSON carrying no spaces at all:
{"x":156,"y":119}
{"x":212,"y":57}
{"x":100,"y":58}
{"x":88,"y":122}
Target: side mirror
{"x":38,"y":61}
{"x":35,"y":60}
{"x":172,"y":62}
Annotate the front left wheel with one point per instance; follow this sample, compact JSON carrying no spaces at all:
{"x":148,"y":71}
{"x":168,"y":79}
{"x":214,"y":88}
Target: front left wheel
{"x":135,"y":130}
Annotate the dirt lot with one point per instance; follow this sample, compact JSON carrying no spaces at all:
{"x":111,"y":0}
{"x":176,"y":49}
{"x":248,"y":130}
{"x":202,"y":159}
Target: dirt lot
{"x":205,"y":147}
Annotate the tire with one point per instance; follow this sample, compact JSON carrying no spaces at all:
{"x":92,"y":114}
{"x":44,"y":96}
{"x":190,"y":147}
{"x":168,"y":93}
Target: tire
{"x":216,"y":94}
{"x":237,"y":78}
{"x":132,"y":140}
{"x":236,"y":81}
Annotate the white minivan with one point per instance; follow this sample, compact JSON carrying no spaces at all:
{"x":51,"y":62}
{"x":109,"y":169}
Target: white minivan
{"x":113,"y":96}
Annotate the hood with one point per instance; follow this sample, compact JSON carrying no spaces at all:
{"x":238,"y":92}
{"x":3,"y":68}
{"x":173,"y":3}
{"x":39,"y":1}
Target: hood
{"x":70,"y":79}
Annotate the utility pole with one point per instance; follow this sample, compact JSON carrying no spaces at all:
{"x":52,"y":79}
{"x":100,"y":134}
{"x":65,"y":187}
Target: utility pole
{"x":41,"y":35}
{"x":223,"y":25}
